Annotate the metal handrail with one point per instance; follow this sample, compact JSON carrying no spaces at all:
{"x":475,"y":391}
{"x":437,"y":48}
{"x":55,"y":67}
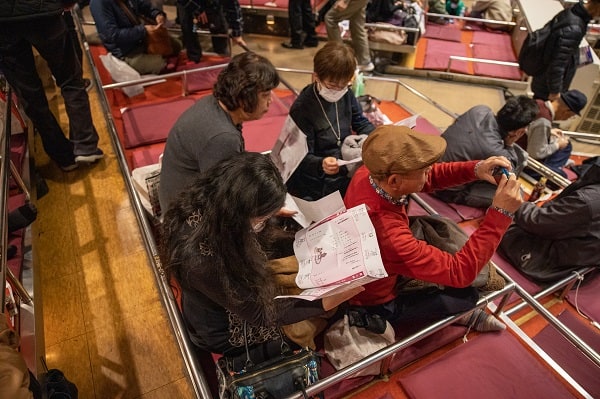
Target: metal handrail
{"x":483,"y":20}
{"x":481,"y":61}
{"x":4,"y":171}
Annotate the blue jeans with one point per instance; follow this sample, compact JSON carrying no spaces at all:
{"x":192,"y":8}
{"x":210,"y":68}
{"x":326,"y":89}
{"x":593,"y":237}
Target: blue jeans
{"x":51,"y":39}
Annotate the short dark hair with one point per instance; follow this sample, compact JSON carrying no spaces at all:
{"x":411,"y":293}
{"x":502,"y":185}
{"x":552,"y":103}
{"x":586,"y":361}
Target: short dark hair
{"x":518,"y":112}
{"x":335,"y":61}
{"x":240,"y":83}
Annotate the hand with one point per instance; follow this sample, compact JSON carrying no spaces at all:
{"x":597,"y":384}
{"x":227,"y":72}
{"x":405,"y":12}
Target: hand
{"x":556,"y":132}
{"x":330,"y":166}
{"x":161,"y":19}
{"x":508,"y":194}
{"x":152,"y":28}
{"x":486,"y":167}
{"x":340,"y":5}
{"x":330,"y":302}
{"x":286,"y":213}
{"x":239,"y":40}
{"x":562,"y":142}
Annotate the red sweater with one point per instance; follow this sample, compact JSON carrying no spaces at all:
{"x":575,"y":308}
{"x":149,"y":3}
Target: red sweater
{"x":407,"y":256}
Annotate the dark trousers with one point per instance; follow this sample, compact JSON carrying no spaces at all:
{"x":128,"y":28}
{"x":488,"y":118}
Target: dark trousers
{"x":217,"y":25}
{"x":427,"y":305}
{"x":302,"y":22}
{"x":51,"y":39}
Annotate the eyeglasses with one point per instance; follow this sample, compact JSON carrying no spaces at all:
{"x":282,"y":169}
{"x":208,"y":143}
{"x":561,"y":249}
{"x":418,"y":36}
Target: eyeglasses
{"x":335,"y":86}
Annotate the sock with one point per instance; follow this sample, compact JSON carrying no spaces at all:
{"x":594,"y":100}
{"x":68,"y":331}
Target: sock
{"x":481,"y":321}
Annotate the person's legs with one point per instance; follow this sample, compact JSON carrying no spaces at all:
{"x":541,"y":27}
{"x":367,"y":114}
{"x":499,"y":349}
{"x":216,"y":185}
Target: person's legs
{"x":145,"y":63}
{"x":308,"y":24}
{"x":332,"y":19}
{"x":57,"y":48}
{"x":295,"y":20}
{"x":539,"y":87}
{"x":217,"y":25}
{"x":18,"y":66}
{"x":360,"y":41}
{"x":557,"y":160}
{"x":190,"y":39}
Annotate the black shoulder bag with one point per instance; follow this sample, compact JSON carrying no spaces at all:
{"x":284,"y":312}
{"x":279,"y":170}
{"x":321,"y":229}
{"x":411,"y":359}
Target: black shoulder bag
{"x":279,"y":377}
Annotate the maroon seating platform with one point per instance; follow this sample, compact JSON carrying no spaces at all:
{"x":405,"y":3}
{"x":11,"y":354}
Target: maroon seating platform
{"x":492,"y":366}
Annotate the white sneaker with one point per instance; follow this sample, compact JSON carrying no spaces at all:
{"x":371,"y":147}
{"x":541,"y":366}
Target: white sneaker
{"x":367,"y":67}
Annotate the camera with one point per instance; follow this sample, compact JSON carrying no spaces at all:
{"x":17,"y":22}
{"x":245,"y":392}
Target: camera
{"x":498,"y":172}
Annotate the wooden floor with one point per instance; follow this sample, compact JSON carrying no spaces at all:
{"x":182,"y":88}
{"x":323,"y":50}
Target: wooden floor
{"x":104,"y":323}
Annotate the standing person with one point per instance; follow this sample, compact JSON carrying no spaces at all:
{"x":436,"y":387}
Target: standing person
{"x":302,"y":25}
{"x":122,"y":32}
{"x":546,"y":143}
{"x":39,"y":23}
{"x":327,"y":113}
{"x":220,"y":16}
{"x":479,"y":134}
{"x":563,"y":44}
{"x":497,"y":10}
{"x":211,"y":129}
{"x":397,"y":162}
{"x":212,"y":237}
{"x":356,"y":12}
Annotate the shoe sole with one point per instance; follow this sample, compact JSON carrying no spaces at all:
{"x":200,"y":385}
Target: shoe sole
{"x":69,"y":168}
{"x":88,"y":158}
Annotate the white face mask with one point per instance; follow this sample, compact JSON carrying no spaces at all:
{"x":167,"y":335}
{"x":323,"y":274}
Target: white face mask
{"x":331,"y":95}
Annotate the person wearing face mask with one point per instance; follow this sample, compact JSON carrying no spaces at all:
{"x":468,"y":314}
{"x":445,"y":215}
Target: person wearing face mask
{"x":327,"y":112}
{"x":214,"y":244}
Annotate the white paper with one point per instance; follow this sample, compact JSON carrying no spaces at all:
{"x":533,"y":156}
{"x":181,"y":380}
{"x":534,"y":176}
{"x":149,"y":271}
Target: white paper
{"x":342,"y":162}
{"x":289,"y":149}
{"x":312,"y":211}
{"x":411,"y":121}
{"x":337,"y":253}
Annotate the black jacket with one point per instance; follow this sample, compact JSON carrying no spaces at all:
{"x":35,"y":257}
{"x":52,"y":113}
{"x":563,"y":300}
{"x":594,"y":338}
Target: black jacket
{"x":20,"y":10}
{"x":564,"y":45}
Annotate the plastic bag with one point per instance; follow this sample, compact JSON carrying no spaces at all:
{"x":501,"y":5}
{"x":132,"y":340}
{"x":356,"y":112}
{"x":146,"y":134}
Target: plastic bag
{"x":120,"y":71}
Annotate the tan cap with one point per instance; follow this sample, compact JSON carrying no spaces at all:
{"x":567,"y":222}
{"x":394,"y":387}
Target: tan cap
{"x":399,"y":149}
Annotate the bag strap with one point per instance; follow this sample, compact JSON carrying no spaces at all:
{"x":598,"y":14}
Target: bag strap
{"x":130,"y":15}
{"x":285,"y":347}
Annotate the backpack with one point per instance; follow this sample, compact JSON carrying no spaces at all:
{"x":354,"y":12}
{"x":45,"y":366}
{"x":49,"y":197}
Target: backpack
{"x":533,"y":57}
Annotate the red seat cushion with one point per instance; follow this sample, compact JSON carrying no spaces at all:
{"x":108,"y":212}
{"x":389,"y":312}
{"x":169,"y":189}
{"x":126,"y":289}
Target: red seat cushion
{"x":438,"y":53}
{"x":151,"y":123}
{"x":492,"y":365}
{"x":260,"y":135}
{"x":146,"y":155}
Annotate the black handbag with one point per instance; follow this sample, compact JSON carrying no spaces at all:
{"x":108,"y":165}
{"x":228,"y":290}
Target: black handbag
{"x":279,"y":377}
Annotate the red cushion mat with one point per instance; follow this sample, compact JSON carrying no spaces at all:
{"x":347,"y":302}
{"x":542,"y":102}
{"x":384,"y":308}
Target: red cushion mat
{"x":583,"y":370}
{"x":448,"y":32}
{"x":146,"y":155}
{"x":260,"y":135}
{"x":151,"y":123}
{"x":492,"y":365}
{"x":438,"y":53}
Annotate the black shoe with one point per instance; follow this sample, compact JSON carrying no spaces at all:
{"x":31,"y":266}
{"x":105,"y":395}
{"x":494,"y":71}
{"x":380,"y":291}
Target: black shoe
{"x":292,"y":46}
{"x":311,"y":43}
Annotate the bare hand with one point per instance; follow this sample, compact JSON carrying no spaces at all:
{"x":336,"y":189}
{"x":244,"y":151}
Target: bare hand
{"x":508,"y":194}
{"x":239,"y":40}
{"x":340,"y":5}
{"x":330,"y":166}
{"x":286,"y":213}
{"x":160,"y":19}
{"x":562,"y":142}
{"x":485,"y":169}
{"x":332,"y":301}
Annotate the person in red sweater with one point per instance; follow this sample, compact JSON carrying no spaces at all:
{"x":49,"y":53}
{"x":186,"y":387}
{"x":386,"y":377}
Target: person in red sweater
{"x":397,"y":162}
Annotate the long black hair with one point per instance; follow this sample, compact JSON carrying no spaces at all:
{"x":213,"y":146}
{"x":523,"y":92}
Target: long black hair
{"x":213,"y":216}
